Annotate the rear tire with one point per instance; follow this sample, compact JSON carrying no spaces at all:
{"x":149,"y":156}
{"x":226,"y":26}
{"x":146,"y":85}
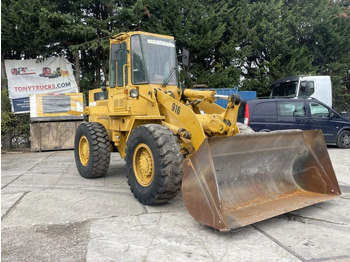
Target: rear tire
{"x":92,"y":150}
{"x":153,"y":164}
{"x":343,"y":139}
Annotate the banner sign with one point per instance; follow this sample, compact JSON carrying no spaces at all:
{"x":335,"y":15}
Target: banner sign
{"x":26,"y":77}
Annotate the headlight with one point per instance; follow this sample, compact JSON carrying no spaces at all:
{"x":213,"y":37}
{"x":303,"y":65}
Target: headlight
{"x":134,"y":93}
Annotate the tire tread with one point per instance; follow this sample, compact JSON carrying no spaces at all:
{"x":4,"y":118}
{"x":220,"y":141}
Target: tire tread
{"x":170,"y":160}
{"x":100,"y":153}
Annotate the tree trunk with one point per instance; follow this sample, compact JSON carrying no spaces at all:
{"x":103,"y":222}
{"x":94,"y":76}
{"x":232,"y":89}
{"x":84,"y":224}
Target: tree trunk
{"x":77,"y":68}
{"x":6,"y":142}
{"x":98,"y":68}
{"x":6,"y":139}
{"x":3,"y":73}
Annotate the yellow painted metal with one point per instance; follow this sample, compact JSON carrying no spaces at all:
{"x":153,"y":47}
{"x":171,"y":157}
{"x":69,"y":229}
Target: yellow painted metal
{"x":230,"y":116}
{"x":84,"y":151}
{"x":124,"y":67}
{"x":143,"y":165}
{"x":74,"y":113}
{"x":86,"y":111}
{"x":210,"y":108}
{"x":148,"y":98}
{"x":212,"y":124}
{"x":177,"y":113}
{"x":125,"y":36}
{"x":175,"y":129}
{"x":206,"y":95}
{"x":98,"y":110}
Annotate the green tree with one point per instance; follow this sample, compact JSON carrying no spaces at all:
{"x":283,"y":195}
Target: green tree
{"x":241,"y":43}
{"x":331,"y":45}
{"x":262,"y":45}
{"x":324,"y":28}
{"x":25,"y":29}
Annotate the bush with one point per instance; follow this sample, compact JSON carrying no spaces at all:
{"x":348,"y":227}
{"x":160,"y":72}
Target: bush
{"x":15,"y":128}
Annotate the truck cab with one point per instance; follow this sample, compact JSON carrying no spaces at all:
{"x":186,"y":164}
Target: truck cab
{"x":319,"y":87}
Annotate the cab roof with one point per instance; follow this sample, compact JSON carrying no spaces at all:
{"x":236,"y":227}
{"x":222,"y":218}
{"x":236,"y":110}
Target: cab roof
{"x":124,"y":35}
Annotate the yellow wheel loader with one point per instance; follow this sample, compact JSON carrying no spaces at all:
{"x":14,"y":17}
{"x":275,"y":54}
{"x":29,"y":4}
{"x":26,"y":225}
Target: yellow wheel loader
{"x":172,"y":138}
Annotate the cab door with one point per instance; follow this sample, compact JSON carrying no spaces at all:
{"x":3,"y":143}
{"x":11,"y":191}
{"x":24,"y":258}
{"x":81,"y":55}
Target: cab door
{"x":264,"y":116}
{"x":118,"y":79}
{"x":291,"y":114}
{"x":319,"y":117}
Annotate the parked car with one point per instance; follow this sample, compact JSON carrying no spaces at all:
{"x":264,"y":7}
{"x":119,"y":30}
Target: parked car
{"x":278,"y":114}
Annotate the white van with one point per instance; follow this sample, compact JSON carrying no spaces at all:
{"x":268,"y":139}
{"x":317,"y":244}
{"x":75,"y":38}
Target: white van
{"x":319,"y":87}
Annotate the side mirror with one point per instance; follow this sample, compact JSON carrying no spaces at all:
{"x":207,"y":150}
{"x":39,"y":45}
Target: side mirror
{"x":333,"y":115}
{"x":185,"y":57}
{"x":304,"y":86}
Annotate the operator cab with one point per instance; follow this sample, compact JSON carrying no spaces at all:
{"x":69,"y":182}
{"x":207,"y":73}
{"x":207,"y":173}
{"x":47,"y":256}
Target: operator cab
{"x":153,"y":61}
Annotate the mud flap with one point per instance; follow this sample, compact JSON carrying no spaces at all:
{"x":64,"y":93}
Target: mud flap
{"x":232,"y":182}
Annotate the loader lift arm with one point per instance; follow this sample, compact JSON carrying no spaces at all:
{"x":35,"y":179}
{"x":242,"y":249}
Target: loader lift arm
{"x":200,"y":125}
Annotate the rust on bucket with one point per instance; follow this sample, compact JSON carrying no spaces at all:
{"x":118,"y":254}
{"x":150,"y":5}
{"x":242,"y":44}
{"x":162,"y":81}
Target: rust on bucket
{"x":232,"y":182}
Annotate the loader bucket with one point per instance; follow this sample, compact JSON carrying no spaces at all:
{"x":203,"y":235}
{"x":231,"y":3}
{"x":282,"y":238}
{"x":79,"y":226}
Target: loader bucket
{"x":235,"y":181}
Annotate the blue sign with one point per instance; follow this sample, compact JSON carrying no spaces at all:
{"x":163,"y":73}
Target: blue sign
{"x":20,"y":105}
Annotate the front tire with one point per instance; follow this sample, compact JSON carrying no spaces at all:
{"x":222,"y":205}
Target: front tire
{"x":343,"y":139}
{"x":153,"y":164}
{"x":92,"y":150}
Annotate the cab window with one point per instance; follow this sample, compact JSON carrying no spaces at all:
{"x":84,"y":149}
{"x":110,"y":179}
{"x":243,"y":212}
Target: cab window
{"x":118,"y":58}
{"x":285,"y":89}
{"x":120,"y":65}
{"x":318,"y":110}
{"x":112,"y":67}
{"x":138,"y":75}
{"x":100,"y":96}
{"x":291,"y":109}
{"x":307,"y":88}
{"x":265,"y":109}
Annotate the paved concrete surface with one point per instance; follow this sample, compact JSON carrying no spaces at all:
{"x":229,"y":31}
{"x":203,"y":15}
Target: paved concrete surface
{"x":50,"y":213}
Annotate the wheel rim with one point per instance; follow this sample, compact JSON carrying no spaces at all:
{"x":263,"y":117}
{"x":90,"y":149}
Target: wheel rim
{"x":143,"y":164}
{"x":345,"y":140}
{"x":84,"y":151}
